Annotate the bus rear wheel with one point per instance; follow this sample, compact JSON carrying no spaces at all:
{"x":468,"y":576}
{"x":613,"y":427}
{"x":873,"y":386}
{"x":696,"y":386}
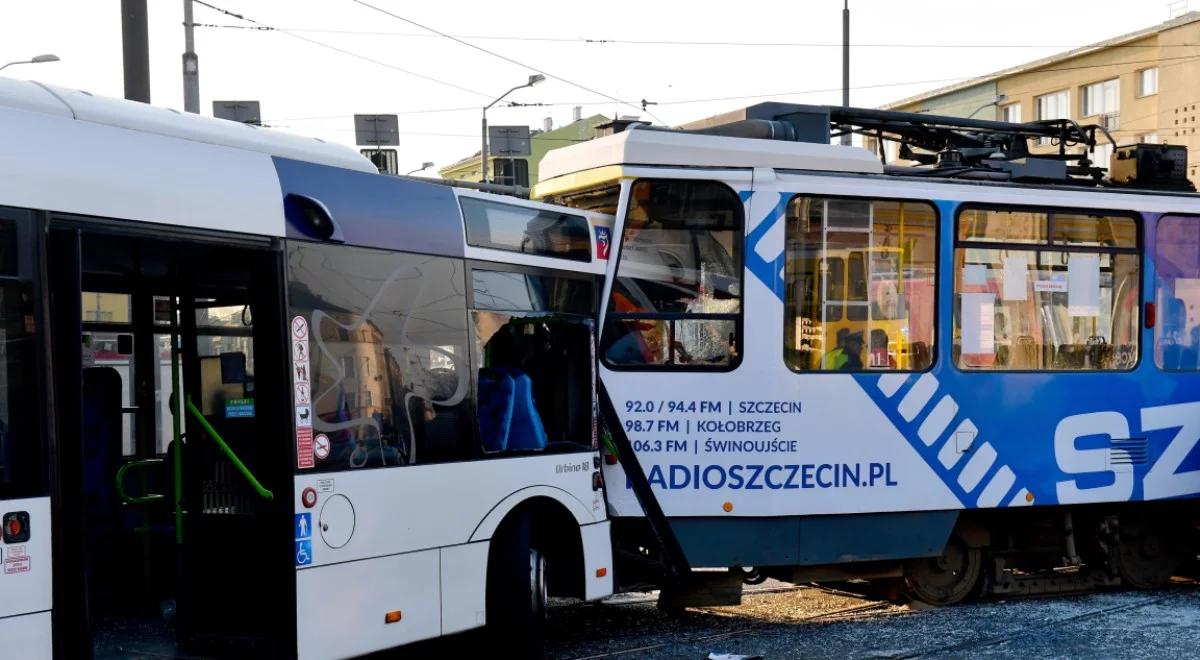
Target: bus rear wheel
{"x":946,"y":579}
{"x":516,"y":589}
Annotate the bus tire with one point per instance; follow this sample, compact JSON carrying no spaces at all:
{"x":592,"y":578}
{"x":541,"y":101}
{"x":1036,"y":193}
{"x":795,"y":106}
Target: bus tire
{"x":516,"y":589}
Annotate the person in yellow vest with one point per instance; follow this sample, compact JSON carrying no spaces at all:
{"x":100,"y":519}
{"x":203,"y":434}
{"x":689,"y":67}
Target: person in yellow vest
{"x":847,"y":355}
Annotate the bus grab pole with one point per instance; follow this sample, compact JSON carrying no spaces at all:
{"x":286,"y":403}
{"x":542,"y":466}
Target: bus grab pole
{"x":176,"y":422}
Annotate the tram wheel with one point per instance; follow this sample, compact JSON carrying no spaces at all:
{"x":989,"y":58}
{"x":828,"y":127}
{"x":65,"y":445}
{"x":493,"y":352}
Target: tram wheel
{"x":948,"y":578}
{"x":1146,"y":557}
{"x":516,"y":589}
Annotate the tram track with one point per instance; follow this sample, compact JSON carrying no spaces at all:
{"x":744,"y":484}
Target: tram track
{"x":836,"y":615}
{"x":996,"y":640}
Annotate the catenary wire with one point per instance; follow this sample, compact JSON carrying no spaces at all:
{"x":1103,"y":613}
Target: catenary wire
{"x":267,"y":28}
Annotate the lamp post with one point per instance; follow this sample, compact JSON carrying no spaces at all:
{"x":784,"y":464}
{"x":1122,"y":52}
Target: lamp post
{"x":1000,"y":98}
{"x":39,"y":59}
{"x":424,"y":166}
{"x":483,"y":152}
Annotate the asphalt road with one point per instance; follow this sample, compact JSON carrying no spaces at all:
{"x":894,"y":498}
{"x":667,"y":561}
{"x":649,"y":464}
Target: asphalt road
{"x":813,"y":624}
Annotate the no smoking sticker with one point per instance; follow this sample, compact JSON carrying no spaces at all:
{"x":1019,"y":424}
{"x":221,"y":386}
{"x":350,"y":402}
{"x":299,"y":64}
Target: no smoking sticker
{"x":321,"y":446}
{"x":299,"y":328}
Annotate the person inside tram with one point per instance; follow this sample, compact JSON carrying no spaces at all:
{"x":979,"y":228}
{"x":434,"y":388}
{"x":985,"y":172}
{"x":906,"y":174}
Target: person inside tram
{"x":847,"y":355}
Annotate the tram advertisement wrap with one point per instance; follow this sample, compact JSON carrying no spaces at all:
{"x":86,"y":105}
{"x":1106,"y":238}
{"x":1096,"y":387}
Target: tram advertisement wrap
{"x":820,"y":451}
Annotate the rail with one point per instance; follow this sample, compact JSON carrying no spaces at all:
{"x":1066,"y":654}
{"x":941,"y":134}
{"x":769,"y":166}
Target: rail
{"x":229,"y":453}
{"x":139,"y":465}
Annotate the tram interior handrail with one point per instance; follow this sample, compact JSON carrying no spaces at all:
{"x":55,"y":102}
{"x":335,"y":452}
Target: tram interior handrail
{"x":229,"y":453}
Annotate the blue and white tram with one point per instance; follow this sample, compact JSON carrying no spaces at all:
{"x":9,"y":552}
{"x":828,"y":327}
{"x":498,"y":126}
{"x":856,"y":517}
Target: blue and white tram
{"x":826,"y":368}
{"x":258,"y":400}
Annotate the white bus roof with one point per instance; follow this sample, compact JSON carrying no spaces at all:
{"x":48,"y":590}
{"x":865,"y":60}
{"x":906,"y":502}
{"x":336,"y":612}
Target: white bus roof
{"x":83,"y":106}
{"x":680,"y":149}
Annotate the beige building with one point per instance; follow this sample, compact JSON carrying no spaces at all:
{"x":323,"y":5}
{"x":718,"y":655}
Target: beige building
{"x":1143,"y":87}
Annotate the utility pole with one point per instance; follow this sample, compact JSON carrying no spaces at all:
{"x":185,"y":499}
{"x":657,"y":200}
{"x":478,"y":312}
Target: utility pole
{"x":135,"y":50}
{"x":846,"y":63}
{"x":191,"y":63}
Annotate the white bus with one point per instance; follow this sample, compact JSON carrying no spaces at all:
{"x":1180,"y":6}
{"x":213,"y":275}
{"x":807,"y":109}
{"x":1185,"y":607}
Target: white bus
{"x":258,"y":400}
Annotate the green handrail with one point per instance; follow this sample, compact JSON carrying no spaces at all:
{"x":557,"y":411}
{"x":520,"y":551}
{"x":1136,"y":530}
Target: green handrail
{"x":137,"y":499}
{"x":237,"y":462}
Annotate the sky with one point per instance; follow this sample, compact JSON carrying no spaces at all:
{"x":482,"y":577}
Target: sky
{"x":329,"y":59}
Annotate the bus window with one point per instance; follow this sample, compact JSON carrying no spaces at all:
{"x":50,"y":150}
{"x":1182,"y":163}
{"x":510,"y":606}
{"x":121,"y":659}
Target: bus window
{"x":677,"y":297}
{"x":388,"y":354}
{"x":1177,"y":293}
{"x":859,"y":284}
{"x":528,"y":230}
{"x":21,"y":466}
{"x":1045,"y":290}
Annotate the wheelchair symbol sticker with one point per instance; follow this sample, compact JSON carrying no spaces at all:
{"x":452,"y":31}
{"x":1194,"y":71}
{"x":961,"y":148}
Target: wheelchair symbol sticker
{"x":304,"y":553}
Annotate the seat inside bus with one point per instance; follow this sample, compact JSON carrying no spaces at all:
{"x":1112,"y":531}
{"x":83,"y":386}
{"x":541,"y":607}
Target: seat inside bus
{"x":534,"y":384}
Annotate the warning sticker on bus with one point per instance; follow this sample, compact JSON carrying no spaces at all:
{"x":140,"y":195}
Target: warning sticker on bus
{"x":16,"y":564}
{"x":304,"y":447}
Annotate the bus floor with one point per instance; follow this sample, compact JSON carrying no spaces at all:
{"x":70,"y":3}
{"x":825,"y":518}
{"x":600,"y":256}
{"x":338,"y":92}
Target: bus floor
{"x":138,"y":638}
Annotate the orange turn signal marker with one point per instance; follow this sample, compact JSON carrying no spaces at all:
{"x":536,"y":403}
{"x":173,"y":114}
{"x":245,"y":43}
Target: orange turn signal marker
{"x":728,"y":506}
{"x":391,"y":617}
{"x":601,"y":572}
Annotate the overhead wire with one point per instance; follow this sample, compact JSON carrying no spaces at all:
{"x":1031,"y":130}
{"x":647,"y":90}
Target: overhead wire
{"x":505,"y":58}
{"x":269,"y":28}
{"x":685,"y":42}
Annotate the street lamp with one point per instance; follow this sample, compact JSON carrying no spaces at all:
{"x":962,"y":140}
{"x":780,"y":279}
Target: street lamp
{"x":1000,"y":98}
{"x":483,"y":152}
{"x":424,"y":166}
{"x":39,"y":59}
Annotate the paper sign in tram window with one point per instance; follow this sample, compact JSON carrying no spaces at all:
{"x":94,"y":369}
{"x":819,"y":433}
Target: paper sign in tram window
{"x":1016,"y":277}
{"x":979,"y":323}
{"x":1083,"y":285}
{"x":974,"y":275}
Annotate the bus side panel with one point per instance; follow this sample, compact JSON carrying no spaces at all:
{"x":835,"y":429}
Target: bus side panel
{"x":341,"y":608}
{"x":597,"y":553}
{"x":25,"y":583}
{"x":27,"y":636}
{"x":464,"y":586}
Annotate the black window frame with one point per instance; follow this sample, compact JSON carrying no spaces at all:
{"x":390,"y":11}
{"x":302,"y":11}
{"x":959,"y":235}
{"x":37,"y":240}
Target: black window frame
{"x":935,"y":350}
{"x":739,"y":265}
{"x":35,"y":463}
{"x":1050,"y":246}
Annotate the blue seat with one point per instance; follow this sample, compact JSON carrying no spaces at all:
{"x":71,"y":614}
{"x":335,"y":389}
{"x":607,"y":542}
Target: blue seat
{"x":526,"y":432}
{"x":497,"y":398}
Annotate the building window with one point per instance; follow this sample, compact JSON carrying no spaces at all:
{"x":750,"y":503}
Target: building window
{"x":1045,"y":290}
{"x":1102,"y":153}
{"x":1011,"y":113}
{"x":860,"y":284}
{"x":1149,"y":138}
{"x":1147,"y":80}
{"x":677,"y":299}
{"x":1053,"y":106}
{"x":510,"y":172}
{"x":1102,"y":98}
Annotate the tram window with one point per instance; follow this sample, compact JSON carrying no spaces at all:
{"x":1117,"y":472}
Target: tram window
{"x":677,"y":299}
{"x":388,"y":356}
{"x":1177,"y":293}
{"x":859,"y":284}
{"x":21,"y":462}
{"x":530,"y":231}
{"x":1067,"y":302}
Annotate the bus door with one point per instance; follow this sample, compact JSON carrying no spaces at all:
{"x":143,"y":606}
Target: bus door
{"x":171,"y":445}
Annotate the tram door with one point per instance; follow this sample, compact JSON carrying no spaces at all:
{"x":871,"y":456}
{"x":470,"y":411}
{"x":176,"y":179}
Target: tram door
{"x":172,"y":447}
